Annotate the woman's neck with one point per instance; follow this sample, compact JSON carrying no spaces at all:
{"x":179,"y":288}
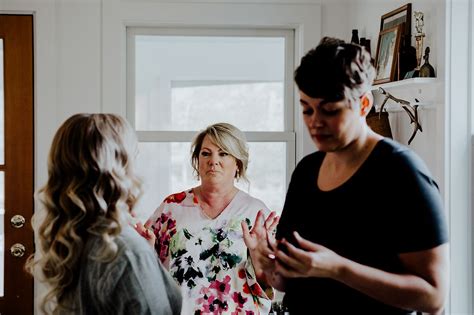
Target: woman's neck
{"x":338,"y":166}
{"x":213,"y":200}
{"x":356,"y":152}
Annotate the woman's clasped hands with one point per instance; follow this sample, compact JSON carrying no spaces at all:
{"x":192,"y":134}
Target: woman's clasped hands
{"x":306,"y":259}
{"x":282,"y":258}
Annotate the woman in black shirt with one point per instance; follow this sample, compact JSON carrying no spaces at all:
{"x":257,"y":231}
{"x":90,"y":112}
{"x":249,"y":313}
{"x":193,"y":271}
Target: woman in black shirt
{"x":363,"y":228}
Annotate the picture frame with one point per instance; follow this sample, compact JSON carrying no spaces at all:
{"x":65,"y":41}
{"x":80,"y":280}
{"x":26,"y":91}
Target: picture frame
{"x":387,"y":55}
{"x":400,"y":16}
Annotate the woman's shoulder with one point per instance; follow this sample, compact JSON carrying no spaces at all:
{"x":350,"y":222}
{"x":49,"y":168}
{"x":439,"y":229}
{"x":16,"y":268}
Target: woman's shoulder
{"x":130,"y":242}
{"x":251,"y":202}
{"x":175,"y":205}
{"x":398,"y":156}
{"x":180,"y":197}
{"x":130,"y":248}
{"x":311,"y":159}
{"x":185,"y":198}
{"x":127,"y":239}
{"x":309,"y":163}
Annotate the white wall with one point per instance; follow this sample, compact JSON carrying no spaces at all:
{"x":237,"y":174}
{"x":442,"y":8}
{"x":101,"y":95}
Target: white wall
{"x":80,"y":67}
{"x":80,"y":51}
{"x":365,"y":15}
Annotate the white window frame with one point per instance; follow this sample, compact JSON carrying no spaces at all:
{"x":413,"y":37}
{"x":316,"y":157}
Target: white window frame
{"x":303,"y":17}
{"x":287,"y":136}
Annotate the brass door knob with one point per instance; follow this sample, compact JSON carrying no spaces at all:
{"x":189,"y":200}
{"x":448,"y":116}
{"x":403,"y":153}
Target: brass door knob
{"x":17,"y":250}
{"x":17,"y":221}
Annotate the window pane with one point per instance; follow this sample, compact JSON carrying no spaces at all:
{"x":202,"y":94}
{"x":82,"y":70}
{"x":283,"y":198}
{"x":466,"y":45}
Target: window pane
{"x":188,"y":82}
{"x":166,"y":169}
{"x":251,"y":106}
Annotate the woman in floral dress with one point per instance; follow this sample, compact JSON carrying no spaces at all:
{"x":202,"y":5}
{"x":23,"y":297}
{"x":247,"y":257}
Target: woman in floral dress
{"x":199,"y":232}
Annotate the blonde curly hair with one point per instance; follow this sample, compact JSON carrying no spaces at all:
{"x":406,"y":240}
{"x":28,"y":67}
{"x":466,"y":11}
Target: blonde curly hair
{"x":90,"y":189}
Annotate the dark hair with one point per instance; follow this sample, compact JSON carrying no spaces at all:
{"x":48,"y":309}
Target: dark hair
{"x":335,"y":70}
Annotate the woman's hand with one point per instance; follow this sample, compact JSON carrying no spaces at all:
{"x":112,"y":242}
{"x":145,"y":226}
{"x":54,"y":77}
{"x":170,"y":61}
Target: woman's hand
{"x":309,"y":260}
{"x":146,"y":232}
{"x":261,"y":243}
{"x":422,"y":286}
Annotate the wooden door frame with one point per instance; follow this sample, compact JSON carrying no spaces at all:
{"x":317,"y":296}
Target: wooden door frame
{"x":17,"y":33}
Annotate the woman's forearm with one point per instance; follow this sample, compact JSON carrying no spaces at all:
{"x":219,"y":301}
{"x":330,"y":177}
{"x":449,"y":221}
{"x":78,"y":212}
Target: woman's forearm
{"x":405,"y":291}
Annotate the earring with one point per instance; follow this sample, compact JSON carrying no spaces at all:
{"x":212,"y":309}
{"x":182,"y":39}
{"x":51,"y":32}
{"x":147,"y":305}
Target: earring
{"x":364,"y":104}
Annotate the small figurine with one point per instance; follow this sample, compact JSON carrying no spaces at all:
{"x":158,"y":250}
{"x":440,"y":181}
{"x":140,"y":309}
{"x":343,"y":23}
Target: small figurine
{"x":426,"y":69}
{"x":419,"y":22}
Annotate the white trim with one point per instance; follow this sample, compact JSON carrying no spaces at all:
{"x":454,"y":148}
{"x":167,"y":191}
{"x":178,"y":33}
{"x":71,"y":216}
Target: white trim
{"x":471,"y":152}
{"x":45,"y":48}
{"x":273,"y":2}
{"x":101,"y":56}
{"x":187,"y":136}
{"x":304,"y":19}
{"x":458,"y":157}
{"x":447,"y":152}
{"x":287,"y":136}
{"x":130,"y":75}
{"x":225,"y":30}
{"x":17,"y":12}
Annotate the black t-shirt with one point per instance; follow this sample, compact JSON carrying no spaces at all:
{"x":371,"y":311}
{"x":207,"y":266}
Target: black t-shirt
{"x":391,"y":205}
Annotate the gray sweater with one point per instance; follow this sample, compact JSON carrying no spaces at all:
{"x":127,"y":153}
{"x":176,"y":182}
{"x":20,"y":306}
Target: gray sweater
{"x":133,"y":283}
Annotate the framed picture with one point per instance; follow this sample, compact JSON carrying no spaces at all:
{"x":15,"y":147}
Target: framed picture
{"x":400,"y":16}
{"x":387,"y":54}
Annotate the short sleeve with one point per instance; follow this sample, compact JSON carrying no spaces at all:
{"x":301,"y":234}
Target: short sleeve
{"x":417,"y":209}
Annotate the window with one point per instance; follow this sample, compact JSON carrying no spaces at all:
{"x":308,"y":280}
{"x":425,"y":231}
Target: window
{"x":182,"y":80}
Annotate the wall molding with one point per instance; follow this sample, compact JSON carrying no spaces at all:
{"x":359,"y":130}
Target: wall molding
{"x":458,"y":156}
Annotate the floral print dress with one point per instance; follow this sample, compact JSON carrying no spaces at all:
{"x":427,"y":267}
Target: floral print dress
{"x":208,"y":257}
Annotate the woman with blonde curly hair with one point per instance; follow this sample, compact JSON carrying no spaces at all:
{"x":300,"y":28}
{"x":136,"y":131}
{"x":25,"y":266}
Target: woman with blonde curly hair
{"x":91,"y":259}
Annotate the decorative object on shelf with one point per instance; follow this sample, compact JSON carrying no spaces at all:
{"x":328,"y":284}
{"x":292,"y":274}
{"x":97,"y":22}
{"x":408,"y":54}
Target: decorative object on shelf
{"x":411,"y":74}
{"x":400,"y":16}
{"x":355,"y":37}
{"x":379,"y":123}
{"x":406,"y":53}
{"x":426,"y":70}
{"x":407,"y":62}
{"x":366,"y":44}
{"x":419,"y":23}
{"x":412,"y":111}
{"x":386,"y":57}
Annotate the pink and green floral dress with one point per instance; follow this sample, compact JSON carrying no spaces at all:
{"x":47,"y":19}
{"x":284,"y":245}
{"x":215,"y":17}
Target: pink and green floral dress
{"x":208,"y":257}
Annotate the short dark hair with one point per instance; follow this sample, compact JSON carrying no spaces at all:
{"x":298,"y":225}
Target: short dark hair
{"x":335,"y":70}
